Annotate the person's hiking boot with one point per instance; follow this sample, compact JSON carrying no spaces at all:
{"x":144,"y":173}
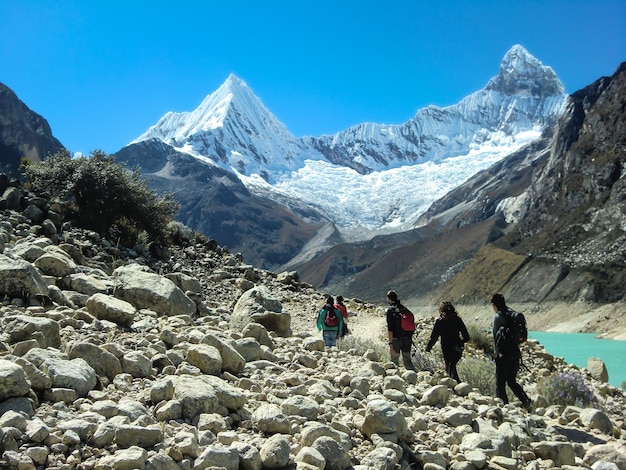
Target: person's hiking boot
{"x":527,"y":404}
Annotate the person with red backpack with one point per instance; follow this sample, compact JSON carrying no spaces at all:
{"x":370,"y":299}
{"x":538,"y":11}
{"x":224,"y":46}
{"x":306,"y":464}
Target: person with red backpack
{"x":400,"y":329}
{"x":330,"y":322}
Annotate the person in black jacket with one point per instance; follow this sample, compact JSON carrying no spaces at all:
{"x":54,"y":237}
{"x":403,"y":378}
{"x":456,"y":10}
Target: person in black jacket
{"x":507,"y":361}
{"x":454,"y":335}
{"x":400,"y":341}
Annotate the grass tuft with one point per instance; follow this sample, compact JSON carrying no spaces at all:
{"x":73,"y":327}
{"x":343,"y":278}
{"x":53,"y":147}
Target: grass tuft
{"x":480,"y":373}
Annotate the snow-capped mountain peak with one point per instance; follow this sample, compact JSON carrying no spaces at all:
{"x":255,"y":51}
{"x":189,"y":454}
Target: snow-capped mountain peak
{"x":520,"y":72}
{"x":209,"y":115}
{"x":232,"y":97}
{"x":232,"y":128}
{"x":214,"y":109}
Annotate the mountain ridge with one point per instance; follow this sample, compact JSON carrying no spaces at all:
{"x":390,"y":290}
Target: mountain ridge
{"x":345,"y":177}
{"x":424,"y":137}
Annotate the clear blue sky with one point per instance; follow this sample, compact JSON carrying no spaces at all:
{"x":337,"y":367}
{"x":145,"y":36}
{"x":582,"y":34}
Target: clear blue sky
{"x":102,"y":72}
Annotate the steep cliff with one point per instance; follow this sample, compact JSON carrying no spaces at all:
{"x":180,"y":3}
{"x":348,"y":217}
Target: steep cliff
{"x":23,"y":133}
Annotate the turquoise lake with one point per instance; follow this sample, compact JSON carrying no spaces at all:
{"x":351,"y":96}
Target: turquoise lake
{"x":576,"y":348}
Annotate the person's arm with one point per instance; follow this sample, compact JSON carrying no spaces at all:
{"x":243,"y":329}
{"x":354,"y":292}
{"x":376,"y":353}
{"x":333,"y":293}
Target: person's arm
{"x":434,"y":336}
{"x":497,"y":323}
{"x":389,"y":330}
{"x":465,"y":337}
{"x":320,"y":321}
{"x":340,"y":325}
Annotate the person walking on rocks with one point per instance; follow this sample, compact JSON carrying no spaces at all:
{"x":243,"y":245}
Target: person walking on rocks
{"x":339,"y":305}
{"x":507,"y":361}
{"x":400,"y":339}
{"x":330,"y":322}
{"x":454,"y":335}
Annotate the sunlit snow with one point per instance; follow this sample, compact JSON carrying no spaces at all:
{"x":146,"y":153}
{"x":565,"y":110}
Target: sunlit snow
{"x":384,"y":201}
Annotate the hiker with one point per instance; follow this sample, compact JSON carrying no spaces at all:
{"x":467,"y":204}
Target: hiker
{"x":400,"y":339}
{"x":339,"y":305}
{"x":508,"y":359}
{"x":330,"y":322}
{"x":454,"y":335}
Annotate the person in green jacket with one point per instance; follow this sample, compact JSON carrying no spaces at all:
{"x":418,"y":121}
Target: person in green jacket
{"x":330,"y":322}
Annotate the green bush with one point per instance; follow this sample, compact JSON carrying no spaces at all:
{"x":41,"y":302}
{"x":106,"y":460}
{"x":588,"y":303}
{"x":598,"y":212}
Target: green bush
{"x":103,"y":195}
{"x":480,"y":373}
{"x":567,"y":388}
{"x":481,"y":339}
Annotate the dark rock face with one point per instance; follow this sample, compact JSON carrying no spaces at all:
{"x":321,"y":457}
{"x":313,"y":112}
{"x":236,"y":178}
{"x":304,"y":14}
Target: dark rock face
{"x":215,"y":202}
{"x":23,"y":133}
{"x":577,"y":199}
{"x":582,"y":181}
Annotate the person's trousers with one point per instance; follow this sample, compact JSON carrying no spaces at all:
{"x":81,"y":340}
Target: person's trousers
{"x":506,"y":374}
{"x":403,"y":346}
{"x":330,"y":338}
{"x":451,"y":358}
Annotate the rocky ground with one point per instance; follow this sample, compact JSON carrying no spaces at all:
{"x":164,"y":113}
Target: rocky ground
{"x":111,"y":359}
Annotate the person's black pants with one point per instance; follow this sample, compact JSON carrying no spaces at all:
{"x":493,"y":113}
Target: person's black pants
{"x":451,"y":358}
{"x":403,"y":345}
{"x":506,"y":374}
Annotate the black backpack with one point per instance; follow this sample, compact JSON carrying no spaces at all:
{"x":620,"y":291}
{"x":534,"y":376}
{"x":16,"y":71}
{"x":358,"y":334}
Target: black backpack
{"x":514,"y":332}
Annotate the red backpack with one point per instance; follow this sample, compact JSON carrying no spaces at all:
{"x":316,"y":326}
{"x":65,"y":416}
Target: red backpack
{"x":407,"y":320}
{"x":330,"y":317}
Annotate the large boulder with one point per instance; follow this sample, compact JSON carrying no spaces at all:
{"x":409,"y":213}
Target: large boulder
{"x":232,"y":360}
{"x":55,"y":262}
{"x":206,"y":358}
{"x":105,"y":307}
{"x":270,"y":419}
{"x":28,"y":250}
{"x":151,"y":291}
{"x":382,"y":417}
{"x":256,"y":300}
{"x":228,"y":396}
{"x":13,"y":381}
{"x":75,"y":374}
{"x":88,"y":284}
{"x":561,"y":453}
{"x":18,"y":328}
{"x":103,"y":362}
{"x":258,"y":305}
{"x":196,"y":396}
{"x":19,"y":278}
{"x":597,"y":369}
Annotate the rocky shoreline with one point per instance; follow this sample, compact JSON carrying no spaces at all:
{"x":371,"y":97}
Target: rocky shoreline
{"x":113,"y":359}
